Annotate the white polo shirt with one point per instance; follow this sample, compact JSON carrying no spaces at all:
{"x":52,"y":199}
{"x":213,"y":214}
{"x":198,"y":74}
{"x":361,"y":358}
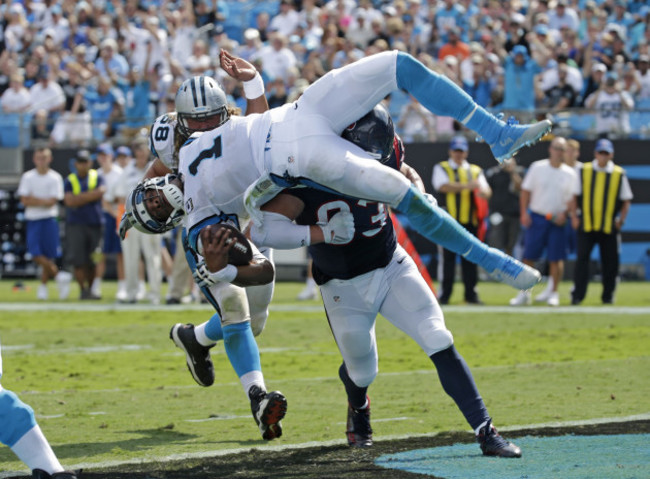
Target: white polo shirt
{"x":49,"y":185}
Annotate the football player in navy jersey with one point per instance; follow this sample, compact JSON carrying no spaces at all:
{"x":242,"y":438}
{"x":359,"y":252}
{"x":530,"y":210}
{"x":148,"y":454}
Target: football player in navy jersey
{"x":371,"y":275}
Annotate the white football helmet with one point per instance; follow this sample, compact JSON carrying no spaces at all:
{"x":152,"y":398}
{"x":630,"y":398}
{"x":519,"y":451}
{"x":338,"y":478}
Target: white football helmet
{"x":137,"y":213}
{"x":200,"y":98}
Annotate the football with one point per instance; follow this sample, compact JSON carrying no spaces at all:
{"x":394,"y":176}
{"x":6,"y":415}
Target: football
{"x":241,"y":253}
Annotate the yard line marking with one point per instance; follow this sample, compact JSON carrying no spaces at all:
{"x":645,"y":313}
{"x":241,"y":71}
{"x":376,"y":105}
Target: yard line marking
{"x":219,"y":418}
{"x":331,"y":378}
{"x":304,"y":445}
{"x":288,"y":307}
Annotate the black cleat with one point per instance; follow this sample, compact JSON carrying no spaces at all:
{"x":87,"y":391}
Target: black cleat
{"x":197,"y":356}
{"x":492,"y":444}
{"x":359,"y":431}
{"x":268,"y":410}
{"x":41,"y":474}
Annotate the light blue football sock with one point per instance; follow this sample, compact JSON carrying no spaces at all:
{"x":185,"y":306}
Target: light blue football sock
{"x":213,"y":329}
{"x":16,"y":418}
{"x":241,"y":348}
{"x":438,"y":226}
{"x":441,"y":96}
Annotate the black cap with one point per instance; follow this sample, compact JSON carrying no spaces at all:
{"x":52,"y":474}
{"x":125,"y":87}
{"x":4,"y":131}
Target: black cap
{"x":83,"y":155}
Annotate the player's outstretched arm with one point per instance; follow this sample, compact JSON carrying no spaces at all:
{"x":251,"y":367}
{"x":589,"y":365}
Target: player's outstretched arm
{"x":241,"y":70}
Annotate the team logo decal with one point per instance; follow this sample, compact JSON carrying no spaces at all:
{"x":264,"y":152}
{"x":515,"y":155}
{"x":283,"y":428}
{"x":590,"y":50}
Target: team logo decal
{"x":337,"y":299}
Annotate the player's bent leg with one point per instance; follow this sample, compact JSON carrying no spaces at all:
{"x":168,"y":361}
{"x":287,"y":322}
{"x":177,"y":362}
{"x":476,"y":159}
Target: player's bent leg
{"x":345,"y":168}
{"x":358,"y":429}
{"x":259,"y":298}
{"x":437,"y":226}
{"x":345,"y":95}
{"x":16,"y":418}
{"x":197,"y":356}
{"x":443,"y":97}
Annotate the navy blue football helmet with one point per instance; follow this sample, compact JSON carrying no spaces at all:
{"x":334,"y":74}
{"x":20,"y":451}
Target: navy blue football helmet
{"x":374,"y":133}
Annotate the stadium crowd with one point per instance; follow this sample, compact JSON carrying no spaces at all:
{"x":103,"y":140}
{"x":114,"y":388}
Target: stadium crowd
{"x":85,"y":72}
{"x":96,"y":74}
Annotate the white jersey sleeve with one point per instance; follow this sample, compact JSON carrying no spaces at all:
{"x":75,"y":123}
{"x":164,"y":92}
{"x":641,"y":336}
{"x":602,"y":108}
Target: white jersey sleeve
{"x":162,"y":140}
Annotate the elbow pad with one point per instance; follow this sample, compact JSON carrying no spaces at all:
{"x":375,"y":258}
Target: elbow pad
{"x":279,"y":232}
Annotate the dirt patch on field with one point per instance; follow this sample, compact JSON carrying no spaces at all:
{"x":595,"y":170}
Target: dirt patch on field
{"x":332,"y":461}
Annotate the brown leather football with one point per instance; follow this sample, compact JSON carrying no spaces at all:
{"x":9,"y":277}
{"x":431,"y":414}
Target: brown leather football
{"x":241,"y":253}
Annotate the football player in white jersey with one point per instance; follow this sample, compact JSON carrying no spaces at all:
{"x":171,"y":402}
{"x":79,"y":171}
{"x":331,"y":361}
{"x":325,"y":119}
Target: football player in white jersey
{"x":241,"y":310}
{"x":239,"y":163}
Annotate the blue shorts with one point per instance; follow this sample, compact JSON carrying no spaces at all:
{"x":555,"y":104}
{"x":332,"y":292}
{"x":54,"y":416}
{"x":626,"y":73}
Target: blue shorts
{"x":541,"y":234}
{"x":43,"y":238}
{"x":112,"y":242}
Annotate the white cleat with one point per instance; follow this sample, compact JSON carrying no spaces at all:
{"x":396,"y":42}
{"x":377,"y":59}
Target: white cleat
{"x":553,"y":299}
{"x":522,"y":299}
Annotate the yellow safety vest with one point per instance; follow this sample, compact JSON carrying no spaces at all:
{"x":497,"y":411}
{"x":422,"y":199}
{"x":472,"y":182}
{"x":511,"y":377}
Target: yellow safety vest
{"x":599,"y":201}
{"x":461,"y":205}
{"x":76,"y":184}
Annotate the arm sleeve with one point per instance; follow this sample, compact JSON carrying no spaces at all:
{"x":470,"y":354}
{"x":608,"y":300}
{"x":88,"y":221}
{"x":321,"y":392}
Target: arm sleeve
{"x":279,"y":232}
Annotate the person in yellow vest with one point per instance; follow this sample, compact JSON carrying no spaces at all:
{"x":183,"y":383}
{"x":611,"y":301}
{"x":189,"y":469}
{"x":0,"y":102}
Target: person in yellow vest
{"x":83,"y":191}
{"x":458,"y":183}
{"x":602,"y":200}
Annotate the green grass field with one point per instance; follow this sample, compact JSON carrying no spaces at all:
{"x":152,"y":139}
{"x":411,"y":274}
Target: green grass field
{"x":108,"y":385}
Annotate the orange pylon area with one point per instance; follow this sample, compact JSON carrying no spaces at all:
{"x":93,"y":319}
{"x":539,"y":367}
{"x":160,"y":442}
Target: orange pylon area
{"x":406,"y":243}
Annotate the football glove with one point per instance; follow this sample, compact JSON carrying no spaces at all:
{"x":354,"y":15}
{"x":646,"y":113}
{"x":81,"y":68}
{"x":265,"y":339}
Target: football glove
{"x":339,"y":229}
{"x":205,"y":278}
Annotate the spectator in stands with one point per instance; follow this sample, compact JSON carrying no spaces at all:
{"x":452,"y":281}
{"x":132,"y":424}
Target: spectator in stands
{"x":546,"y":194}
{"x":416,"y":123}
{"x":643,"y":77}
{"x":593,"y":82}
{"x":262,"y":25}
{"x":454,"y":46}
{"x":505,"y":182}
{"x":84,"y":189}
{"x":449,"y":18}
{"x":251,"y":45}
{"x":138,"y":244}
{"x":459,"y":183}
{"x":561,"y":96}
{"x":74,"y":123}
{"x":602,"y":214}
{"x":136,"y":91}
{"x":111,"y":64}
{"x":105,"y":105}
{"x":276,"y":58}
{"x":199,"y":62}
{"x":110,"y":174}
{"x":16,"y":99}
{"x":480,"y":85}
{"x":40,"y":191}
{"x":519,"y":74}
{"x":47,"y":102}
{"x":287,"y":19}
{"x":563,"y":16}
{"x":612,"y":105}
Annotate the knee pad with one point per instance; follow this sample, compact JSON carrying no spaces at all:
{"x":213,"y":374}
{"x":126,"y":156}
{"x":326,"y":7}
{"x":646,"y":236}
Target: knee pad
{"x":234,"y":304}
{"x":16,"y":418}
{"x":360,"y":355}
{"x":258,"y":321}
{"x":434,"y":338}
